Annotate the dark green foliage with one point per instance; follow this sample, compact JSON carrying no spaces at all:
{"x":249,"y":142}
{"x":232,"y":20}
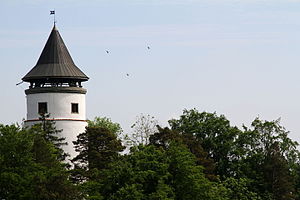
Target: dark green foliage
{"x":264,"y":155}
{"x":188,"y":180}
{"x":154,"y":173}
{"x":277,"y":176}
{"x":51,"y":134}
{"x":97,"y":148}
{"x":238,"y":189}
{"x":296,"y":176}
{"x":143,"y":173}
{"x":269,"y":158}
{"x":30,"y":167}
{"x":214,"y":132}
{"x":165,"y":136}
{"x":106,"y":123}
{"x":16,"y":164}
{"x":256,"y":163}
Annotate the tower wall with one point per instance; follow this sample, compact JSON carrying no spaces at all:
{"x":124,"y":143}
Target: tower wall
{"x":59,"y":105}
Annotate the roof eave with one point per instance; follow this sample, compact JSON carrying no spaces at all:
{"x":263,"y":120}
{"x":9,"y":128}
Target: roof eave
{"x":30,"y":79}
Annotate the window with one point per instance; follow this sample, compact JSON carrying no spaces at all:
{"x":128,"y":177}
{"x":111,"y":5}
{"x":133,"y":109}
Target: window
{"x":42,"y":107}
{"x":74,"y":108}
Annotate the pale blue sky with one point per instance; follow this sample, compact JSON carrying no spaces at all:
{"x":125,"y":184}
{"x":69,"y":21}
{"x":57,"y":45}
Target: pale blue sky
{"x":236,"y":57}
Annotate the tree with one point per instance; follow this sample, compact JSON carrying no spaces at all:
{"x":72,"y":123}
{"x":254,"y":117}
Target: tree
{"x":188,"y":179}
{"x":278,"y":178}
{"x":215,"y":134}
{"x":280,"y":157}
{"x":270,"y":133}
{"x":30,"y":168}
{"x":106,"y":123}
{"x":97,"y":148}
{"x":240,"y":189}
{"x":165,"y":136}
{"x":52,"y":180}
{"x":143,"y":128}
{"x":17,"y":167}
{"x":139,"y":175}
{"x":51,"y":134}
{"x":263,"y":154}
{"x":296,"y":176}
{"x":149,"y":172}
{"x":269,"y":158}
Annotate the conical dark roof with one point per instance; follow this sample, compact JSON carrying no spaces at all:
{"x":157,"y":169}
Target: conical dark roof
{"x":55,"y":62}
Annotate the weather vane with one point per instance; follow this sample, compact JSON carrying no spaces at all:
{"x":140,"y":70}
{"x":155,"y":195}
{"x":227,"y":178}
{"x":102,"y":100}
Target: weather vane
{"x":52,"y":12}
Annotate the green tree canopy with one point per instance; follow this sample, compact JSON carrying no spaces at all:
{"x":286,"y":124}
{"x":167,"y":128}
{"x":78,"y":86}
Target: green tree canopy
{"x":105,"y":123}
{"x":30,"y":167}
{"x":214,"y":132}
{"x":164,"y":136}
{"x":149,"y":172}
{"x":268,"y":157}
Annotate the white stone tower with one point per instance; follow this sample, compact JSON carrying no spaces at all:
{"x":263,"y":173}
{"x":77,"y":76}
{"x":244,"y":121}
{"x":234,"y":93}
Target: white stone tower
{"x":55,"y":88}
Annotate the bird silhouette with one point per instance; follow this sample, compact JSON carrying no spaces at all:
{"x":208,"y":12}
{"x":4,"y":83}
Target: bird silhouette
{"x":107,"y":51}
{"x":127,"y":74}
{"x":148,"y":47}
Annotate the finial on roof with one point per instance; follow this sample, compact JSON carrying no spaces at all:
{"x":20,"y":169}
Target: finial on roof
{"x":54,"y":27}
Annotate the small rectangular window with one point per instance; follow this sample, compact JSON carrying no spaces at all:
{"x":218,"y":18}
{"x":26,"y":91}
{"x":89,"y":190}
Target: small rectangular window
{"x":42,"y":107}
{"x":74,"y":108}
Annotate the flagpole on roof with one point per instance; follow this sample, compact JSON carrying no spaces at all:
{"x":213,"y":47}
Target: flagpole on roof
{"x":52,"y":12}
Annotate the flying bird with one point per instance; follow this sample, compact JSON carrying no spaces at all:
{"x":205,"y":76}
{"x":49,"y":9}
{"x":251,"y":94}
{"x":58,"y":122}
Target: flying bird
{"x":148,"y":47}
{"x":107,"y":51}
{"x":127,"y":74}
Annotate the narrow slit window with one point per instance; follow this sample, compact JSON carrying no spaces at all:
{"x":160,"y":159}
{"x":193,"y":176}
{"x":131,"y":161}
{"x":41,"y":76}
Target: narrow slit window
{"x":42,"y":107}
{"x":74,"y":108}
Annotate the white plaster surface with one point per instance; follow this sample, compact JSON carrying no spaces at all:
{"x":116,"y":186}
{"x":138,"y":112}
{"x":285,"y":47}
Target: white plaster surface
{"x":59,"y":107}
